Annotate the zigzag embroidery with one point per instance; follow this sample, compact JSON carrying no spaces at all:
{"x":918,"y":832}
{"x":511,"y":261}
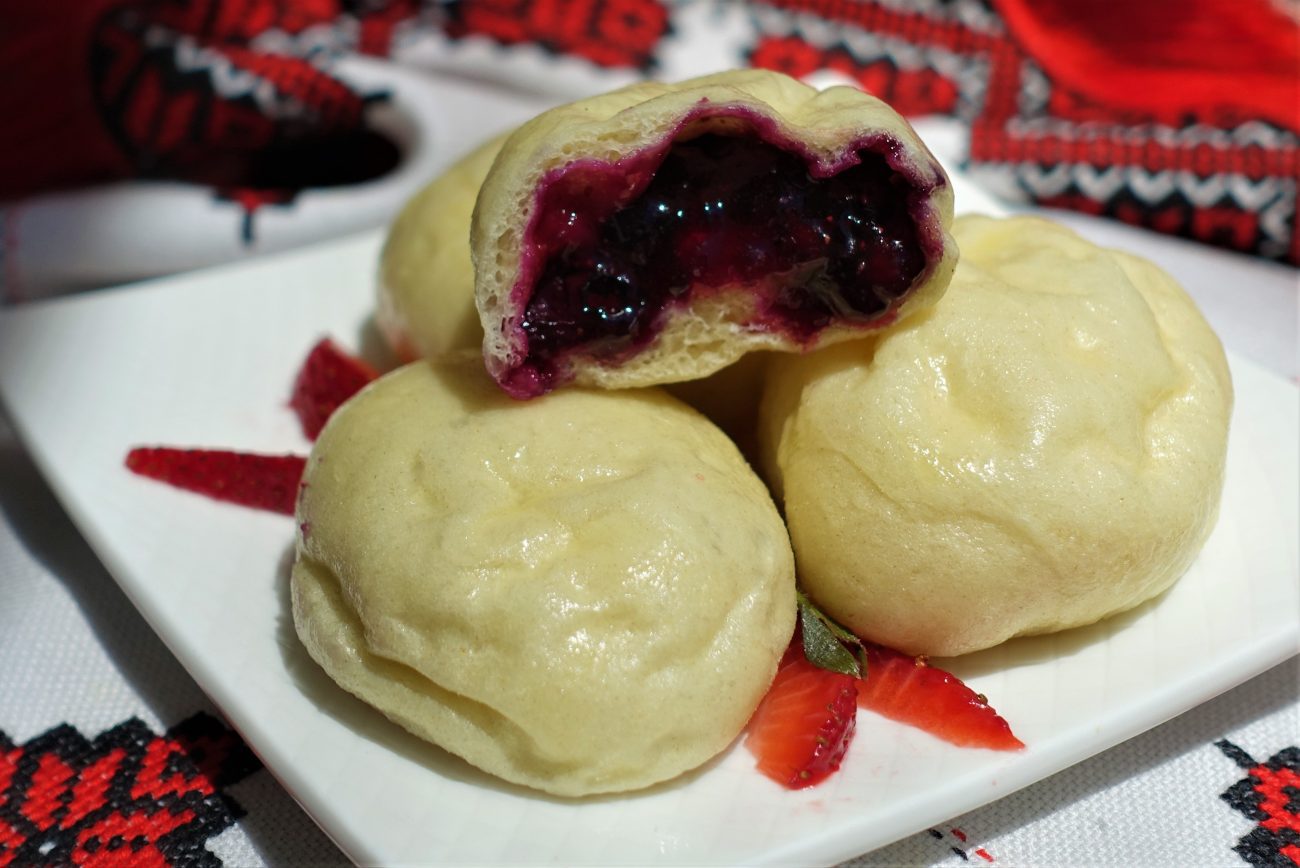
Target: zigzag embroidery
{"x":1026,"y":182}
{"x":1251,"y":133}
{"x":1153,"y":187}
{"x":229,"y":81}
{"x":316,"y":41}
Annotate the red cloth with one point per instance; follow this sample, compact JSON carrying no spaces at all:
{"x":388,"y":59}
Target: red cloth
{"x":55,"y":136}
{"x":1167,"y":59}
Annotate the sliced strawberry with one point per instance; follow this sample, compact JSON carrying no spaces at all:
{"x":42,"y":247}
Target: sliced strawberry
{"x":909,"y":690}
{"x":328,"y":377}
{"x":803,"y":726}
{"x":260,"y":481}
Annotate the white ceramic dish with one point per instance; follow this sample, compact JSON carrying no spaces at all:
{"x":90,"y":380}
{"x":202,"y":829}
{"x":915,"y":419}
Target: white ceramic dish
{"x":207,"y":359}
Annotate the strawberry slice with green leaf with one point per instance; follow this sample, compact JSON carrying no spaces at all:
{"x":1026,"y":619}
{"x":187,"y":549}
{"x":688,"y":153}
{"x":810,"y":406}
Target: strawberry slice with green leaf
{"x":802,"y":728}
{"x":260,"y":481}
{"x":327,"y":379}
{"x":909,"y":690}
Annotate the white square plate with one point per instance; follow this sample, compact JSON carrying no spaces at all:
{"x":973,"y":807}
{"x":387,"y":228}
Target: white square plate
{"x":207,"y":359}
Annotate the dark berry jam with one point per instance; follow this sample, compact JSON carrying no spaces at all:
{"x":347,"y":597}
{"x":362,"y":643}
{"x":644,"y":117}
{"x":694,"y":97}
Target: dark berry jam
{"x":719,"y":211}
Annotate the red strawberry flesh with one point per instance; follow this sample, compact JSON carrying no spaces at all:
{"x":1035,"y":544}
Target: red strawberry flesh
{"x":802,"y":728}
{"x":260,"y":481}
{"x":909,"y":690}
{"x":327,"y":379}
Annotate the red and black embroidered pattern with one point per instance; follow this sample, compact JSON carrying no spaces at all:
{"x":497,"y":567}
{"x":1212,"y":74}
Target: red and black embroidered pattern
{"x":961,"y":851}
{"x":127,"y":797}
{"x":185,"y":94}
{"x":609,"y":33}
{"x":238,"y":96}
{"x":1218,"y":178}
{"x":1269,"y":795}
{"x":926,"y":58}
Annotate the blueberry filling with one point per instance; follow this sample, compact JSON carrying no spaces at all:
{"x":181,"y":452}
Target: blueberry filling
{"x":719,"y":211}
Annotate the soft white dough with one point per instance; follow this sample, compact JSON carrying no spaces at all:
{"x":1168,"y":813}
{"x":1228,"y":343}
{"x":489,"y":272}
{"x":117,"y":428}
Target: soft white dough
{"x":1043,"y":448}
{"x":585,"y":593}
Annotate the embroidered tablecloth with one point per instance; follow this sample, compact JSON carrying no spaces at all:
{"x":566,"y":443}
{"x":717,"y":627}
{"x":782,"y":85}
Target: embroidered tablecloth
{"x":109,"y":754}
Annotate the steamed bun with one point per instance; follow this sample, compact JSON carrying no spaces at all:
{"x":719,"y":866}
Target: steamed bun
{"x":1040,"y":450}
{"x":585,"y":593}
{"x":426,"y":278}
{"x":657,"y":233}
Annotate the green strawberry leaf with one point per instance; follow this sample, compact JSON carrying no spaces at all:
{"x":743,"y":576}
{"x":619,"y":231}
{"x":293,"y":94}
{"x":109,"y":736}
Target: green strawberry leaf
{"x":828,"y":645}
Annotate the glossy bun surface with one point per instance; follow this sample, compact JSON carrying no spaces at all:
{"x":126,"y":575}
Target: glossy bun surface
{"x":1040,"y":450}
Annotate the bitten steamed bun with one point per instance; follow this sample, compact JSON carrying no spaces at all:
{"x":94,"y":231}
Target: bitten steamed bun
{"x":1042,"y":449}
{"x":657,"y":233}
{"x":586,"y":593}
{"x":426,"y":294}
